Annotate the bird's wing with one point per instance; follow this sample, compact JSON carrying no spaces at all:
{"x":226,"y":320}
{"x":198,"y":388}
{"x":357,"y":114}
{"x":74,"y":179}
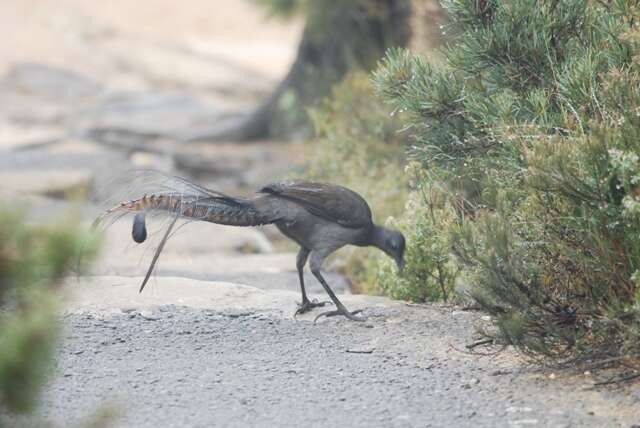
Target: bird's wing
{"x":329,"y":201}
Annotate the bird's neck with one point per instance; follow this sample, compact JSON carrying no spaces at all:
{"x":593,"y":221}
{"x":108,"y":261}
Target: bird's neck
{"x":376,"y":237}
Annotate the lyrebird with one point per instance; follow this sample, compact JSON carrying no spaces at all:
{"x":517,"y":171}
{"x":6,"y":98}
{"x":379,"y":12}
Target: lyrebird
{"x":319,"y":217}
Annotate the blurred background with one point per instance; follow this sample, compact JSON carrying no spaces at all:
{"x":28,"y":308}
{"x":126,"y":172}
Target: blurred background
{"x":233,"y":95}
{"x":506,"y":153}
{"x":90,"y":90}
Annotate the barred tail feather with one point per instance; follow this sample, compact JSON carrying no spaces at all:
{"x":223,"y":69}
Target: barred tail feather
{"x":180,"y":198}
{"x":188,"y":200}
{"x":214,"y":209}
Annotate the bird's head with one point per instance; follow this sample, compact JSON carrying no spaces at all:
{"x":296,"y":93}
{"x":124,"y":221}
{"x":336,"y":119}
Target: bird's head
{"x":392,"y":243}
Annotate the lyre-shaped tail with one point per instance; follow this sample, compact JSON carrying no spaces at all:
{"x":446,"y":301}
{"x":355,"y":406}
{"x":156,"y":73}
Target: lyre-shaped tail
{"x":183,"y":199}
{"x":220,"y":209}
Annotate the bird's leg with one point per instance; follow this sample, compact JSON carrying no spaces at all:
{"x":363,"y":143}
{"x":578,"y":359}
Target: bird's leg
{"x":316,"y":263}
{"x":306,"y":305}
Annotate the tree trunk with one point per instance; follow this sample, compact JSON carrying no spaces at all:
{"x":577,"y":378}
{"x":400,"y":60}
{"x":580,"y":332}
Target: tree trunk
{"x":339,"y":35}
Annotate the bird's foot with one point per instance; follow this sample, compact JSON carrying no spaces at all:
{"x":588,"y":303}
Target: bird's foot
{"x":308,"y":305}
{"x":344,"y":312}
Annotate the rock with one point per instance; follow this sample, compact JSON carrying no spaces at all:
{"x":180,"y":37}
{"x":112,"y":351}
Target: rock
{"x":69,"y":154}
{"x":523,"y":422}
{"x":252,"y":164}
{"x":276,"y":281}
{"x":50,"y":82}
{"x":14,"y":137}
{"x":215,"y":165}
{"x":61,"y":164}
{"x":41,"y":209}
{"x":264,"y":271}
{"x":360,"y":350}
{"x":24,"y":109}
{"x":77,"y":147}
{"x":470,"y":383}
{"x":100,"y":294}
{"x":515,"y":409}
{"x":149,"y":316}
{"x":145,"y":115}
{"x":152,"y":161}
{"x":53,"y":183}
{"x":171,"y":66}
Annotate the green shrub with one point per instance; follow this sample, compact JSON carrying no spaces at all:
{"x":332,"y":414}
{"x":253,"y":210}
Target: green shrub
{"x":533,"y":118}
{"x":32,"y":261}
{"x":430,"y":273}
{"x":358,"y":145}
{"x":339,"y":37}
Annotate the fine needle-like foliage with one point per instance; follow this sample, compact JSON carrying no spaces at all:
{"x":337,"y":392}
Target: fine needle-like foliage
{"x":532,"y":123}
{"x":33,"y":260}
{"x":357,"y":145}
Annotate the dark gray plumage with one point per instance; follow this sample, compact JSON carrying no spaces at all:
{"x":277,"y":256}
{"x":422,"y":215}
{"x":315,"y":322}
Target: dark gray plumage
{"x":319,"y":217}
{"x":139,"y":229}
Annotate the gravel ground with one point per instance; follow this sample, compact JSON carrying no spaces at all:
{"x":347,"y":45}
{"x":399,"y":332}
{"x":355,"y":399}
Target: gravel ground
{"x":185,"y":367}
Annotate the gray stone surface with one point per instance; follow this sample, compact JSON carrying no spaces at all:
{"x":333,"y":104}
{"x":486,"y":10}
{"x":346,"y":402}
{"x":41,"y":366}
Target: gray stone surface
{"x":105,"y":294}
{"x":178,"y":366}
{"x":53,"y":169}
{"x":154,"y":114}
{"x":47,"y":182}
{"x":14,"y":137}
{"x":54,"y":83}
{"x":249,"y":165}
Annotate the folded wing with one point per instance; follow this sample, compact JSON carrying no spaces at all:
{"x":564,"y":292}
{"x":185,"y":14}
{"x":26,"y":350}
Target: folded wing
{"x":329,"y":201}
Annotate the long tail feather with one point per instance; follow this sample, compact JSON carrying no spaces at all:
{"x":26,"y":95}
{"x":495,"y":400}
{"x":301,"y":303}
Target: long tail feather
{"x":179,"y":198}
{"x":165,"y":238}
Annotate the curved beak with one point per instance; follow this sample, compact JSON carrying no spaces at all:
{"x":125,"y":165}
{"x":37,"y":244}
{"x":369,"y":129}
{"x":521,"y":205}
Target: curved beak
{"x":400,"y":263}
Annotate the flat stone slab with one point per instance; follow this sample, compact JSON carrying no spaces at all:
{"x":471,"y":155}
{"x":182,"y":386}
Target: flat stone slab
{"x":14,"y":136}
{"x":52,"y":169}
{"x":47,"y":182}
{"x":252,"y":165}
{"x":148,"y":114}
{"x":106,"y":294}
{"x":50,"y":82}
{"x":273,"y":280}
{"x":263,"y":271}
{"x":65,"y":154}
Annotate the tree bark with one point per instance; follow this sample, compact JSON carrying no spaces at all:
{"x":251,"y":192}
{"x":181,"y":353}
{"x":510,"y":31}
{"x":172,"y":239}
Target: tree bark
{"x":339,"y":35}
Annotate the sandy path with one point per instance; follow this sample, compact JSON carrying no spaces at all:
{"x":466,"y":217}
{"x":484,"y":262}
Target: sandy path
{"x":67,"y":33}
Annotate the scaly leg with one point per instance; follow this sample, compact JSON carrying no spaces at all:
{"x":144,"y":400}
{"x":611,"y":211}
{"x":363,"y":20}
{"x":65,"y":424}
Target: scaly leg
{"x":306,"y":305}
{"x":317,"y":258}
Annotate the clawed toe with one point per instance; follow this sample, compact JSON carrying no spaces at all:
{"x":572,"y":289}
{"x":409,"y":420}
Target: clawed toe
{"x":344,"y":312}
{"x":307,"y":306}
